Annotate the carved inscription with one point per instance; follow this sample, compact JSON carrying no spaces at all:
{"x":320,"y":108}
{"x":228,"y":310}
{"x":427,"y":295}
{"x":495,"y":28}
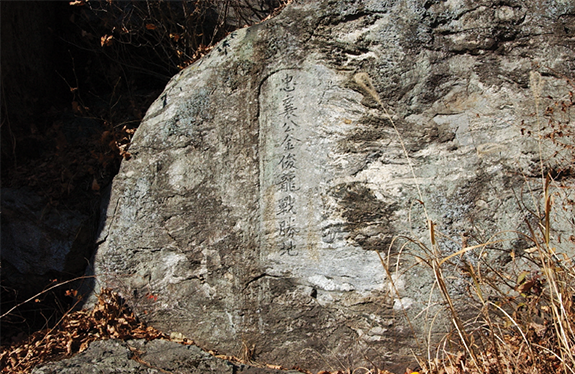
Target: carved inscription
{"x":304,"y":116}
{"x":292,"y":165}
{"x":286,"y":178}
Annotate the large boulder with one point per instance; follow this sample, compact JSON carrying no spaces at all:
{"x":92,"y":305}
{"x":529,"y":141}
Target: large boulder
{"x":270,"y":176}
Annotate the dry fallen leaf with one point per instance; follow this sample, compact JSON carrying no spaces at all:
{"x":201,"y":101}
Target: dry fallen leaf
{"x":106,"y":40}
{"x":95,"y":187}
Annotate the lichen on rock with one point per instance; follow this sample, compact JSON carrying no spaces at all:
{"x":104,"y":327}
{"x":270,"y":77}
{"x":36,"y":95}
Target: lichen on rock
{"x":265,"y":178}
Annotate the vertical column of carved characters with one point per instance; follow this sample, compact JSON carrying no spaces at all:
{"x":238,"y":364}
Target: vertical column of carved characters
{"x":287,"y":166}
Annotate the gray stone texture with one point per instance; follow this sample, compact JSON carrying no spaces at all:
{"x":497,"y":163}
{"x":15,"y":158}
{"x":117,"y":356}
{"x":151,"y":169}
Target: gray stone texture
{"x":142,"y":357}
{"x":268,"y":174}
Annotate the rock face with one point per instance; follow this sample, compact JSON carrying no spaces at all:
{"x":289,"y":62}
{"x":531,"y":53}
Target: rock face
{"x":140,"y":356}
{"x":269,"y":175}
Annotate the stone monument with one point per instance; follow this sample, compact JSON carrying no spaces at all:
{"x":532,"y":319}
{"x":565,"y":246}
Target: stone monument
{"x":282,"y":188}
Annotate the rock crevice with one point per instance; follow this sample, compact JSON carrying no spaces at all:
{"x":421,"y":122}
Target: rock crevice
{"x":266,"y":177}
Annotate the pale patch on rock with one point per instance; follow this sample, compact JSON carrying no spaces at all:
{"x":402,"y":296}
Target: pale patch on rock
{"x":403,"y":303}
{"x":268,"y":175}
{"x":329,"y":284}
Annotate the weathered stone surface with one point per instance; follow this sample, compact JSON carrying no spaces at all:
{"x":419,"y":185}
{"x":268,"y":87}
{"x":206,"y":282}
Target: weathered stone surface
{"x":39,"y":239}
{"x":267,"y":175}
{"x":140,"y":356}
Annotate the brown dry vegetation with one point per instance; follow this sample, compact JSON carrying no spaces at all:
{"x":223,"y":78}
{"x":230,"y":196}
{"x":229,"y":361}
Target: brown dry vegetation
{"x":109,"y":319}
{"x":121,"y":55}
{"x":530,"y":329}
{"x":525,"y":316}
{"x":112,"y":59}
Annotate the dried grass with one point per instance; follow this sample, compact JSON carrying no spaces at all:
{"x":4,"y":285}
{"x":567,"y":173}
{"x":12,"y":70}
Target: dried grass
{"x":526,"y":319}
{"x":109,"y":319}
{"x":528,"y":330}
